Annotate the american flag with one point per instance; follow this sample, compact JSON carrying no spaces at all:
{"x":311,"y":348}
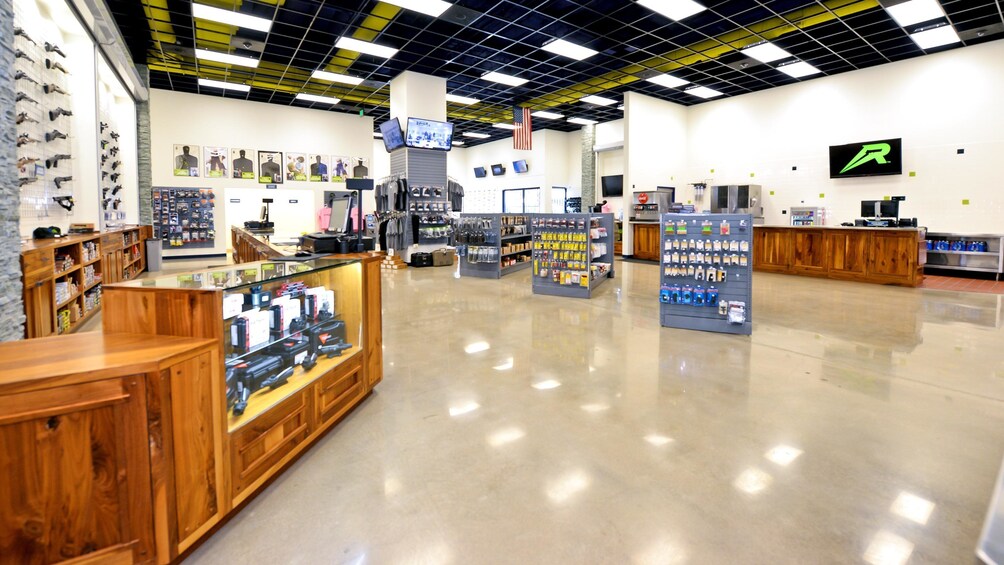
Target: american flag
{"x":522,"y":136}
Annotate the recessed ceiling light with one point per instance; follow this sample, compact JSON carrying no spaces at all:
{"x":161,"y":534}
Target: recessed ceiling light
{"x":581,"y":121}
{"x":335,"y":77}
{"x":598,"y":100}
{"x":569,"y":49}
{"x":547,"y":115}
{"x":230,"y":17}
{"x":365,"y":47}
{"x":703,"y":92}
{"x":504,"y":79}
{"x":461,"y":99}
{"x":915,"y":11}
{"x":799,"y":69}
{"x":476,"y":135}
{"x":432,"y":8}
{"x":621,"y":107}
{"x":669,"y":81}
{"x":766,"y":52}
{"x":504,"y":126}
{"x":673,"y":9}
{"x":315,"y":98}
{"x":457,"y":142}
{"x":224,"y":85}
{"x":936,"y":37}
{"x":226,"y":58}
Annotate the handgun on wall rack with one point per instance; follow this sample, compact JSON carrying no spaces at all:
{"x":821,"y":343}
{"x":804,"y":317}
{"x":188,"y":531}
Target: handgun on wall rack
{"x":114,"y":135}
{"x":103,"y":126}
{"x":54,"y":134}
{"x":116,"y":190}
{"x":21,"y":75}
{"x":60,"y":180}
{"x":20,"y":31}
{"x":24,"y":117}
{"x":54,"y":160}
{"x":53,"y":114}
{"x":26,"y":161}
{"x":18,"y":54}
{"x":25,"y":139}
{"x":26,"y":180}
{"x":114,"y":176}
{"x":22,"y":96}
{"x":53,"y":48}
{"x":65,"y":201}
{"x":51,"y":88}
{"x":105,"y":203}
{"x":116,"y":164}
{"x":54,"y":65}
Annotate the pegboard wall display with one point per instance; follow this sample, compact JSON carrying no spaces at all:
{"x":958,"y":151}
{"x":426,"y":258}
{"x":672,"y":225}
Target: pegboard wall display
{"x":42,"y":110}
{"x":183,"y":217}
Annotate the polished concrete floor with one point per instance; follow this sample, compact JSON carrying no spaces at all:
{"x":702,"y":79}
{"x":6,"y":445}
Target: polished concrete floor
{"x":859,"y":424}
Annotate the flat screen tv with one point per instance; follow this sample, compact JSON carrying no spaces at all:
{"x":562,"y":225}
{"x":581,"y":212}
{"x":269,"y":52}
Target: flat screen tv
{"x":429,"y":134}
{"x":612,"y":185}
{"x":480,"y":172}
{"x":520,"y":166}
{"x":393,"y":137}
{"x":866,"y":159}
{"x":498,"y":170}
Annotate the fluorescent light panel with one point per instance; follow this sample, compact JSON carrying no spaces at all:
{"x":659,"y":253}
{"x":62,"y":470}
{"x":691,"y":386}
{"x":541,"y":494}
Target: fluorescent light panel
{"x":569,"y":49}
{"x":547,"y":115}
{"x":365,"y":47}
{"x":230,"y":17}
{"x":226,"y":58}
{"x":598,"y":100}
{"x":504,"y":79}
{"x":929,"y":39}
{"x":915,"y":11}
{"x":433,"y":8}
{"x":504,"y":126}
{"x":377,"y":134}
{"x":581,"y":121}
{"x":461,"y":99}
{"x":669,"y":81}
{"x":766,"y":52}
{"x":457,"y":142}
{"x":476,"y":135}
{"x":799,"y":69}
{"x":209,"y":83}
{"x":703,"y":92}
{"x":335,"y":77}
{"x":319,"y":99}
{"x":673,"y":9}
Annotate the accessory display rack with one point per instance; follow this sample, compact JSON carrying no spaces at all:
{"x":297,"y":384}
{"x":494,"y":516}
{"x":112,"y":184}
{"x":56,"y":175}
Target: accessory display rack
{"x":707,"y":264}
{"x":493,"y":245}
{"x":572,"y":253}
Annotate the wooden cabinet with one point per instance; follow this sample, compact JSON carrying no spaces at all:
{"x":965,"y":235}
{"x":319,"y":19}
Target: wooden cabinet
{"x":63,"y":277}
{"x":646,"y":241}
{"x":875,"y":255}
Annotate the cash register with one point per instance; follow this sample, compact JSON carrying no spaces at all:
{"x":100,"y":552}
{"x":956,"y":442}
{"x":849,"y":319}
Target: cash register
{"x":883,"y":214}
{"x":341,"y":235}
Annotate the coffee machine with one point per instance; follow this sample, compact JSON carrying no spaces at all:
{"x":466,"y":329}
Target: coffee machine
{"x":738,"y":199}
{"x":647,"y":206}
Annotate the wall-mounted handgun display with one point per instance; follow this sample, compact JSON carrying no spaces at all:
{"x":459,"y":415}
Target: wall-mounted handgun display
{"x":184,"y":217}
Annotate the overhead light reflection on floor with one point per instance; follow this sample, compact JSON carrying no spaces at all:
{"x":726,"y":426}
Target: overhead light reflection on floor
{"x":753,"y":481}
{"x":594,"y":408}
{"x":505,"y":365}
{"x":477,"y":347}
{"x":783,"y":455}
{"x":662,"y":552}
{"x":658,"y":440}
{"x":391,"y":486}
{"x":566,"y":487}
{"x":462,"y":409}
{"x":912,"y":507}
{"x":546,"y":385}
{"x":504,"y":436}
{"x":887,"y":548}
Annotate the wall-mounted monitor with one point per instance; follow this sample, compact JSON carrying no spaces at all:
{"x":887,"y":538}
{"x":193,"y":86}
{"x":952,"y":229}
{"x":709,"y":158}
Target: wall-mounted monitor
{"x":480,"y":172}
{"x":520,"y":166}
{"x":866,"y":159}
{"x":429,"y":134}
{"x":612,"y":185}
{"x":498,"y":170}
{"x":393,"y":137}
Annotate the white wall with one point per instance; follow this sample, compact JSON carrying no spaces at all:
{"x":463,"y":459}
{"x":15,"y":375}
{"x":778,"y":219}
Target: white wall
{"x":936,"y":104}
{"x":179,"y":118}
{"x":655,"y":148}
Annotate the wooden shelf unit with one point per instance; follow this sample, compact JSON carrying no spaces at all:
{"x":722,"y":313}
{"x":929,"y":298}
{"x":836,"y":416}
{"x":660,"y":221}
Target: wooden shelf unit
{"x":103,"y":251}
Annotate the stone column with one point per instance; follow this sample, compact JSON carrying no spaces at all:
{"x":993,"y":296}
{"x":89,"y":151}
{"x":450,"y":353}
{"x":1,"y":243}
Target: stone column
{"x":588,"y":167}
{"x":144,"y":167}
{"x":11,"y":304}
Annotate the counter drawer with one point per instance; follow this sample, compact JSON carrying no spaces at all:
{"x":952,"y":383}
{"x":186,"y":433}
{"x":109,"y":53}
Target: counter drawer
{"x":258,"y":446}
{"x":37,"y":261}
{"x":338,"y":391}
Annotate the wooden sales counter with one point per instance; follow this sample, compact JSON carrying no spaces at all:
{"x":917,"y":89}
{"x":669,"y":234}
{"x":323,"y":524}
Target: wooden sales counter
{"x":874,"y":255}
{"x":133,"y":445}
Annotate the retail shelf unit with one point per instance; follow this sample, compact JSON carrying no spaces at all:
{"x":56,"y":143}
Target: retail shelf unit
{"x":493,"y":245}
{"x":572,"y":253}
{"x":63,"y":277}
{"x":707,"y":264}
{"x":981,"y":253}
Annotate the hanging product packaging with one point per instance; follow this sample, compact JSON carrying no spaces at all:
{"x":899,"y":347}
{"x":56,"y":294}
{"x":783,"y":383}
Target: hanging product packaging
{"x":686,"y":294}
{"x":737,"y":312}
{"x":711,"y":297}
{"x":723,"y":228}
{"x":699,"y":296}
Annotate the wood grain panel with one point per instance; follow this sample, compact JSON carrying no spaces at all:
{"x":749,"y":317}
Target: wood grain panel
{"x":808,"y":251}
{"x":373,"y":330}
{"x":189,"y":313}
{"x":773,"y":249}
{"x":646,"y":241}
{"x":848,"y":254}
{"x":262,"y":443}
{"x":338,"y":391}
{"x":891,"y":255}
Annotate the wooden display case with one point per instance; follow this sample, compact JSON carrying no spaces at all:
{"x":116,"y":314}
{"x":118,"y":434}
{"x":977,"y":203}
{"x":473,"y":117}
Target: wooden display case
{"x":63,"y":277}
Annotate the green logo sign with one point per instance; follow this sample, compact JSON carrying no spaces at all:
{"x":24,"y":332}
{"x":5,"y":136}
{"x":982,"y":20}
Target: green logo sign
{"x":869,"y":152}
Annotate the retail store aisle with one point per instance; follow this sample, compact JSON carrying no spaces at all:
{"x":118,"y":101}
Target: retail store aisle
{"x":859,"y":423}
